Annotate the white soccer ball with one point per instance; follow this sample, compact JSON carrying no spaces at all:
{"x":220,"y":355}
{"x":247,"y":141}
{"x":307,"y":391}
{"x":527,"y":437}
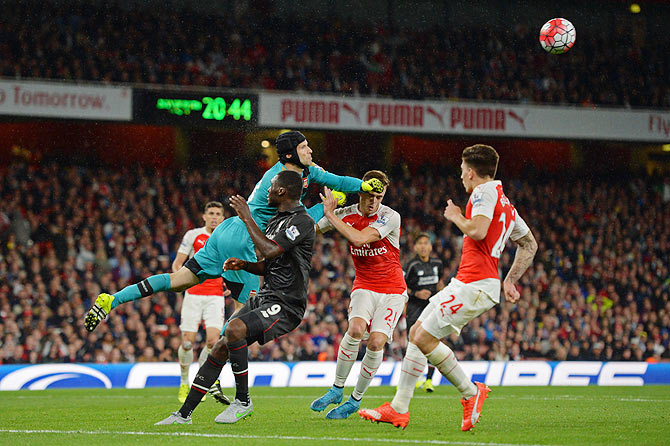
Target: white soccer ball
{"x":557,"y":36}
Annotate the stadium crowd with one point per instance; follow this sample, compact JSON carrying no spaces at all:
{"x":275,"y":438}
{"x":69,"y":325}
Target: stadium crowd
{"x":82,"y":41}
{"x":598,"y":290}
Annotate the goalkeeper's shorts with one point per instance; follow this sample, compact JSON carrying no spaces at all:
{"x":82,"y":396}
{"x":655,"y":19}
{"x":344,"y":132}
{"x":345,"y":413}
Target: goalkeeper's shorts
{"x":229,"y":239}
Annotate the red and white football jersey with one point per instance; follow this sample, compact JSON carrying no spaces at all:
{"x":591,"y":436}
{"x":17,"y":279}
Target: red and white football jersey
{"x":479,"y":261}
{"x":377,"y":264}
{"x":192,"y":242}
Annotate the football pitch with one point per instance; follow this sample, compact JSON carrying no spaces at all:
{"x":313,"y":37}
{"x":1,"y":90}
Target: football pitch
{"x":511,"y":416}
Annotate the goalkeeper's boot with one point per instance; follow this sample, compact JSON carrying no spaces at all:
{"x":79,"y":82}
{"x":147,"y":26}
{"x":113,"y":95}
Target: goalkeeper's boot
{"x":333,"y":396}
{"x":235,"y":412}
{"x":472,"y":407}
{"x":345,"y":410}
{"x":174,"y":418}
{"x":183,"y":392}
{"x":428,"y":386}
{"x":340,"y":197}
{"x":385,"y":414}
{"x":217,"y":392}
{"x":420,"y":383}
{"x":99,"y":311}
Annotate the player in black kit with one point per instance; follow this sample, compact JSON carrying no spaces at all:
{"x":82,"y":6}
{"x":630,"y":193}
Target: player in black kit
{"x":423,"y":275}
{"x":278,"y":307}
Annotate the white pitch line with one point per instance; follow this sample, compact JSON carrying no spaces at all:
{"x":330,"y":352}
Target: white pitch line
{"x":264,"y":437}
{"x":377,"y":397}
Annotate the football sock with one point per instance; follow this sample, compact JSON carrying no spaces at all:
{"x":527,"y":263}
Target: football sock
{"x":371,"y":362}
{"x":346,"y":356}
{"x":204,"y":353}
{"x":204,"y":379}
{"x":445,"y":361}
{"x":147,"y":287}
{"x":431,"y":372}
{"x":239,"y":362}
{"x":185,"y":360}
{"x":412,"y":367}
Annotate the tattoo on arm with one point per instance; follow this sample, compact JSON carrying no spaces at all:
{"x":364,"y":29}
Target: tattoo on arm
{"x":527,"y":247}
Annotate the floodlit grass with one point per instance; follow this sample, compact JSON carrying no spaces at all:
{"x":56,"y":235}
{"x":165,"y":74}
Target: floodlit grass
{"x":511,"y":416}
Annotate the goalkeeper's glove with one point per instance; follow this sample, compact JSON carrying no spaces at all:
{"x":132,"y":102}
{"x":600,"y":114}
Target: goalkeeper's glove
{"x":340,"y":197}
{"x":372,"y":185}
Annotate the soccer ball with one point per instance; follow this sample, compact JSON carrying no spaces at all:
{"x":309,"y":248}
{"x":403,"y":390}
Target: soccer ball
{"x":557,"y":36}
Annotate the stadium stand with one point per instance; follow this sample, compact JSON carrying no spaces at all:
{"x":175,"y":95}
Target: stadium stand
{"x":82,"y":41}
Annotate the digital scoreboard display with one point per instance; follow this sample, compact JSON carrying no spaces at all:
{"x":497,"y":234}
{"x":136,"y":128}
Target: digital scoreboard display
{"x":208,"y":109}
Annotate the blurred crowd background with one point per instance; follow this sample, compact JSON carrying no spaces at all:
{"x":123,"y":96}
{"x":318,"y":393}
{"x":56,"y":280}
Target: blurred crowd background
{"x":70,"y":40}
{"x":599,"y":288}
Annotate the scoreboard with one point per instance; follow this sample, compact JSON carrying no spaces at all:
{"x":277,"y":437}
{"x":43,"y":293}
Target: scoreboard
{"x":227,"y":110}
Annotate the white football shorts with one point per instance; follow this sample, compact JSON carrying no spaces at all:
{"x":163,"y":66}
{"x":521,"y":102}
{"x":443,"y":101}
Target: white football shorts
{"x":380,"y":311}
{"x":196,"y":308}
{"x":453,"y":307}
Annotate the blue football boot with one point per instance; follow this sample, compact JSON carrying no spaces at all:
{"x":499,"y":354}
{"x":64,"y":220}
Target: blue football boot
{"x":333,"y":396}
{"x":345,"y":410}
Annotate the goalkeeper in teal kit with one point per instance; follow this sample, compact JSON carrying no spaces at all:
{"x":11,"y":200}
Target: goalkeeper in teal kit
{"x":230,"y":238}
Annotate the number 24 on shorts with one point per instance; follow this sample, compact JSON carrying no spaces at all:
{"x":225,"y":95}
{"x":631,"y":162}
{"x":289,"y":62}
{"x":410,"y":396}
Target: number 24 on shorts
{"x":454,"y":308}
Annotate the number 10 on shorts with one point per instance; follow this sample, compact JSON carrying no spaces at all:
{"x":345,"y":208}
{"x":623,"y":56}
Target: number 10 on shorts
{"x":454,"y":308}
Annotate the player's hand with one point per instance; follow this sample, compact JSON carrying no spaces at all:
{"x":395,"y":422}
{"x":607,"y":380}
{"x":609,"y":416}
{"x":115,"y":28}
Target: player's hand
{"x":422,"y":294}
{"x":329,"y":203}
{"x":239,"y":204}
{"x":234,"y":264}
{"x":451,"y":212}
{"x":511,"y":293}
{"x":372,"y":185}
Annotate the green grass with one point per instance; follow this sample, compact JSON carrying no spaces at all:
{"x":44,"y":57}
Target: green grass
{"x":512,"y":415}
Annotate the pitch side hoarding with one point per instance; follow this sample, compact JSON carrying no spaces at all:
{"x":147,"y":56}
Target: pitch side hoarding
{"x":321,"y":374}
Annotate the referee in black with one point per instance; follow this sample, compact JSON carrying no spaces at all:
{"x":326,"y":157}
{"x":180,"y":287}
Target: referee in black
{"x":279,"y":306}
{"x":423,"y":275}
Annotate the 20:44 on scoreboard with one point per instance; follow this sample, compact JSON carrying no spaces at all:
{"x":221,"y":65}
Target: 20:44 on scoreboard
{"x":185,"y":108}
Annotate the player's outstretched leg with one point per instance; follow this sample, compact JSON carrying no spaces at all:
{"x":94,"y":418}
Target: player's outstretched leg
{"x":333,"y":396}
{"x":345,"y":410}
{"x":385,"y":414}
{"x":178,"y":281}
{"x":472,"y":407}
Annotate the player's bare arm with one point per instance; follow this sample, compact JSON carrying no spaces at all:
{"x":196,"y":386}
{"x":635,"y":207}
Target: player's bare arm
{"x":233,"y":264}
{"x":265,"y":246}
{"x":527,"y":247}
{"x":179,"y":261}
{"x":475,"y":228}
{"x":354,"y":236}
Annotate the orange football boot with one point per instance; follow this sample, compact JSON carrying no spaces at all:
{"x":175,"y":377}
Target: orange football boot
{"x":385,"y":414}
{"x":472,"y":407}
